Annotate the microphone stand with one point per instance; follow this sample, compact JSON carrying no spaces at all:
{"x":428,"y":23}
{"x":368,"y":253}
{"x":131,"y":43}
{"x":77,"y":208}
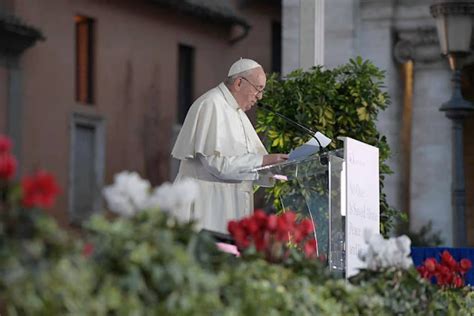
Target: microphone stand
{"x":323,"y":160}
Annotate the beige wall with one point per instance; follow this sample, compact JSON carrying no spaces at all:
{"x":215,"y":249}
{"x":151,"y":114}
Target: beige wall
{"x":136,"y":79}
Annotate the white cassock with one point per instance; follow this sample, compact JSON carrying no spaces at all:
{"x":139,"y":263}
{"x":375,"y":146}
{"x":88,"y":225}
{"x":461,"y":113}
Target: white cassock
{"x":219,"y":147}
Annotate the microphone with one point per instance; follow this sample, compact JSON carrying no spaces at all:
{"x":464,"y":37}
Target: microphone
{"x":302,"y":127}
{"x":308,"y":131}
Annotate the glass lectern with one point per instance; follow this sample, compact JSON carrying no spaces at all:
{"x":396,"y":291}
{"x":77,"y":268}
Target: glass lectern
{"x":315,"y":189}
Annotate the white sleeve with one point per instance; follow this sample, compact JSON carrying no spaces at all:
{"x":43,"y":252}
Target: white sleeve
{"x":234,"y":167}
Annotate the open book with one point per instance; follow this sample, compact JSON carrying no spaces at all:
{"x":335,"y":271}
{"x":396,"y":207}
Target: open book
{"x":310,"y":147}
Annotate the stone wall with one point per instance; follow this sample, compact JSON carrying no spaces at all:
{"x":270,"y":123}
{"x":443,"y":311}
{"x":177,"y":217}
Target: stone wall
{"x":391,"y":33}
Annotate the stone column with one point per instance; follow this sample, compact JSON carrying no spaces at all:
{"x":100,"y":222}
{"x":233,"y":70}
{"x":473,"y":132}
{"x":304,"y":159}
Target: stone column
{"x":311,"y":33}
{"x":431,"y":142}
{"x":375,"y":43}
{"x":303,"y":34}
{"x":290,"y":35}
{"x":342,"y":31}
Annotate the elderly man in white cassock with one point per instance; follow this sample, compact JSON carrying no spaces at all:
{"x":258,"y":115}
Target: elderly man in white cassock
{"x":219,"y":148}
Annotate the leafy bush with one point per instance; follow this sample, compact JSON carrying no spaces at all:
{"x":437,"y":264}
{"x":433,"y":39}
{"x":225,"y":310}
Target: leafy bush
{"x":344,"y":101}
{"x":145,"y":265}
{"x":151,"y":264}
{"x":405,"y":293}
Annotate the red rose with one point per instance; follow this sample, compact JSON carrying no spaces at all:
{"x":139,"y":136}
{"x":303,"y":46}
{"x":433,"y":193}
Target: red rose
{"x":232,"y":227}
{"x":272,"y":223}
{"x":283,"y":229}
{"x":39,"y":190}
{"x":453,"y":264}
{"x":298,"y":236}
{"x":289,"y":217}
{"x":441,"y":280}
{"x":446,"y":257}
{"x":270,"y":234}
{"x":244,"y":224}
{"x":445,"y":274}
{"x":458,"y":282}
{"x":241,"y":239}
{"x":306,"y":226}
{"x":252,"y":226}
{"x":310,"y":248}
{"x":430,"y":265}
{"x":423,"y":271}
{"x":448,"y":273}
{"x":5,"y":144}
{"x":444,"y":270}
{"x":7,"y":166}
{"x":261,"y":218}
{"x":465,"y":265}
{"x":260,"y":242}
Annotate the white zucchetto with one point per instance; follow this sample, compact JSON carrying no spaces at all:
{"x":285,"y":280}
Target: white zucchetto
{"x":241,"y":65}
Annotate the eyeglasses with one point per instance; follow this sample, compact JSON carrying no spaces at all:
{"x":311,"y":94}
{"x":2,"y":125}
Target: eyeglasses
{"x":259,"y":91}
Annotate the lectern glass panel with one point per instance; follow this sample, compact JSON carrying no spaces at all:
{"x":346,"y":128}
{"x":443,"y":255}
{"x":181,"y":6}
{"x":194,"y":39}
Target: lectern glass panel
{"x":313,"y":189}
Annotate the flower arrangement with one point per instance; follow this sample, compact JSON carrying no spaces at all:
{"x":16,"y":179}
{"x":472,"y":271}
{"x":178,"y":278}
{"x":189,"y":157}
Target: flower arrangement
{"x":38,"y":190}
{"x":448,"y":273}
{"x":386,"y":253}
{"x":130,"y":194}
{"x":274,"y":235}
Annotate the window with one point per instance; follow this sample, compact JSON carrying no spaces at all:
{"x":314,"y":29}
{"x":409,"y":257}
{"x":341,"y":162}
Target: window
{"x":84,"y":59}
{"x":185,"y":80}
{"x":276,"y":47}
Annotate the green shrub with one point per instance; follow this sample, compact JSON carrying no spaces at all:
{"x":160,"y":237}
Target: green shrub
{"x":343,"y":101}
{"x":152,"y":265}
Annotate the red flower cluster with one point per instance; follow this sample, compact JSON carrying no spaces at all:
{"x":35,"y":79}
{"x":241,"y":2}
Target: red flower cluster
{"x":39,"y":190}
{"x":448,"y":272}
{"x":272,"y":234}
{"x":7,"y":160}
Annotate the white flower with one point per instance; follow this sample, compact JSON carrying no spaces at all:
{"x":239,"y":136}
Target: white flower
{"x":128,"y":195}
{"x":174,"y":197}
{"x":404,"y":243}
{"x":385,"y":253}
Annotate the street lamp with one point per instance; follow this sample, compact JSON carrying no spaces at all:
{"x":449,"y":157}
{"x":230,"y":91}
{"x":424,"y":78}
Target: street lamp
{"x":454,"y":22}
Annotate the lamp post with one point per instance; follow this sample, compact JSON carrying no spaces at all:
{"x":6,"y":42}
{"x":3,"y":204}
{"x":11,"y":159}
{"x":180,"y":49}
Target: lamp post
{"x":454,"y":23}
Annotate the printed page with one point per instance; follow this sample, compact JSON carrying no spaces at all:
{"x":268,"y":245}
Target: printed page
{"x":310,"y":147}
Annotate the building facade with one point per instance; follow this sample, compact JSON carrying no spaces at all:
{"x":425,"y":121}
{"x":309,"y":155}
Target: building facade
{"x":102,"y":86}
{"x":399,"y":37}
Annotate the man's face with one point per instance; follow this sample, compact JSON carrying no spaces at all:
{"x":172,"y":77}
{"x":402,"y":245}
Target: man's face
{"x":251,"y":89}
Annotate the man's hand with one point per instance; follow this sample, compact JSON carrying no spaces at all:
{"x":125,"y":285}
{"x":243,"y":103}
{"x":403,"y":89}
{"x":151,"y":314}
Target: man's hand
{"x":273,"y":159}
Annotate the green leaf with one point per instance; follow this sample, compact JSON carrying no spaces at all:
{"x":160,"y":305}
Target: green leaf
{"x":362,"y":114}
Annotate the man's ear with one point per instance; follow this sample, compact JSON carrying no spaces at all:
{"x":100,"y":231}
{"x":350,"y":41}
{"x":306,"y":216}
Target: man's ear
{"x":238,"y":84}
